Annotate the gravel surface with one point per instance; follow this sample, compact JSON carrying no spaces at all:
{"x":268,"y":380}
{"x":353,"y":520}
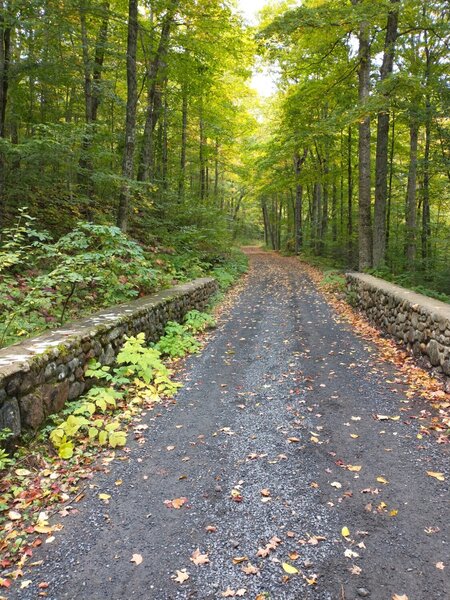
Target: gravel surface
{"x":267,"y":413}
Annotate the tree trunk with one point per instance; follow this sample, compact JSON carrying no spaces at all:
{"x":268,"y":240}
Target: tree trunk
{"x":165,"y":152}
{"x":92,"y":98}
{"x":202,"y":158}
{"x":391,"y":175}
{"x":184,"y":121}
{"x":411,"y":202}
{"x":130,"y":119}
{"x":156,"y":76}
{"x":350,"y":197}
{"x":5,"y":57}
{"x":298,"y":206}
{"x":365,"y":219}
{"x":381,"y":161}
{"x":426,"y":216}
{"x":334,"y":212}
{"x":216,"y":173}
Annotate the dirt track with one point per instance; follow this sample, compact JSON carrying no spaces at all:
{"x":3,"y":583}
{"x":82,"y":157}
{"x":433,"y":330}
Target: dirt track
{"x":270,"y":409}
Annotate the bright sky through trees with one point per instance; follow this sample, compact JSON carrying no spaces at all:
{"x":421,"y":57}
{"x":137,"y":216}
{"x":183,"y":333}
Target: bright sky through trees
{"x":263,"y":80}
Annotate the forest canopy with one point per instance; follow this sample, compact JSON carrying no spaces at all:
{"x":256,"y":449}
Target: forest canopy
{"x":130,"y":132}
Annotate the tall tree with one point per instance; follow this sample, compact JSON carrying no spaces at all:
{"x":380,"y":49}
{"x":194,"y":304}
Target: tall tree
{"x":381,"y":160}
{"x":130,"y":123}
{"x":364,"y":187}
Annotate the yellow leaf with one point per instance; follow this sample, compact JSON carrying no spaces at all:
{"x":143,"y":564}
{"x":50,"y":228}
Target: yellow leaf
{"x":382,"y":480}
{"x":345,"y":532}
{"x":314,"y":439}
{"x":354,"y":436}
{"x":356,"y":468}
{"x":289,"y":568}
{"x":105,"y":498}
{"x":438,"y":476}
{"x":398,"y":597}
{"x":393,"y":513}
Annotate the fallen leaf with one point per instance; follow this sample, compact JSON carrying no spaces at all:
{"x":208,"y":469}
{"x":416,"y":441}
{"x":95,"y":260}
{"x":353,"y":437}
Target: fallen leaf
{"x":181,"y":576}
{"x":345,"y":532}
{"x":293,"y":440}
{"x":354,"y":436}
{"x":43,"y":585}
{"x":198,"y":558}
{"x":239,"y":559}
{"x":175,"y":503}
{"x":228,"y":593}
{"x":211,"y":528}
{"x":438,"y":476}
{"x":294,"y":555}
{"x":169,"y":448}
{"x":22,"y":473}
{"x":350,"y":554}
{"x":382,"y":480}
{"x":265,"y":492}
{"x":355,"y":570}
{"x":398,"y":597}
{"x":336,"y":484}
{"x":13,"y":515}
{"x":386,"y":418}
{"x":355,"y":468}
{"x":289,"y":568}
{"x":105,"y":498}
{"x":241,"y":592}
{"x":440,"y":565}
{"x":137,"y":559}
{"x":25,"y":584}
{"x":250,"y":569}
{"x":356,"y":418}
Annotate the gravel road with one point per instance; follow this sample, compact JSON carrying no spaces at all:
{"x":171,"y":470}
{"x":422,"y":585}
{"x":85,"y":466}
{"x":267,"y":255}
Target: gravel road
{"x":272,"y":441}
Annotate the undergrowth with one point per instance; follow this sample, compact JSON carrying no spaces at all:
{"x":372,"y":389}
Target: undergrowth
{"x":44,"y":472}
{"x":45,"y":282}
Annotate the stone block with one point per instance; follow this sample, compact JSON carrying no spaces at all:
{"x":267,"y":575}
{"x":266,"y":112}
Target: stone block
{"x":10,"y":417}
{"x":31,"y":411}
{"x":433,"y":352}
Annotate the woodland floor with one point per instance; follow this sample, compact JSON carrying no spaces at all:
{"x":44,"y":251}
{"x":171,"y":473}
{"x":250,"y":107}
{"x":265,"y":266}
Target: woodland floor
{"x":265,"y":441}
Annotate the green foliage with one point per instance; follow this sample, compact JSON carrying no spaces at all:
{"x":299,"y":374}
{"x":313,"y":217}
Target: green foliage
{"x":45,"y":283}
{"x":177,"y":341}
{"x":197,"y":321}
{"x":139,"y":375}
{"x":334,"y":281}
{"x":5,"y":459}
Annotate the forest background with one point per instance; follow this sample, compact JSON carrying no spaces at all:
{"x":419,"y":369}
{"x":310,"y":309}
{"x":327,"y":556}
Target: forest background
{"x":134,"y":152}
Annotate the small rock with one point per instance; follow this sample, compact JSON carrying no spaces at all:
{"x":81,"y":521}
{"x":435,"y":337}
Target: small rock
{"x":218,"y":488}
{"x":234,"y":543}
{"x":363,"y":592}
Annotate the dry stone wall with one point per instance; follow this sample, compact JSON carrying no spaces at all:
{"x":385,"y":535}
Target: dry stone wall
{"x":421,"y":323}
{"x":39,"y":375}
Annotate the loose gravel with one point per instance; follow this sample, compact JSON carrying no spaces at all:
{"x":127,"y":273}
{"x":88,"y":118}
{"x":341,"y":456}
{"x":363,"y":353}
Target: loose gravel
{"x":262,"y":434}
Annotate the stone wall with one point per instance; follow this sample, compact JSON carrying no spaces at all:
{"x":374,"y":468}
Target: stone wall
{"x":419,"y":322}
{"x":39,"y":375}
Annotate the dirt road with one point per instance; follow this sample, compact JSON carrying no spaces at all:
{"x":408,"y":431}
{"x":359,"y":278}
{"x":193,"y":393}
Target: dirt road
{"x":273,"y":443}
